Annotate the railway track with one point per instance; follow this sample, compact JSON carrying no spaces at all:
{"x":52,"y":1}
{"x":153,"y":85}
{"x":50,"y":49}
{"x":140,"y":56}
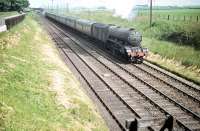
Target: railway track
{"x":140,"y":100}
{"x":183,"y":86}
{"x":112,"y":102}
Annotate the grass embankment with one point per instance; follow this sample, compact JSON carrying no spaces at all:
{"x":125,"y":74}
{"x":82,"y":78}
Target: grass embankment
{"x":37,"y":91}
{"x":5,"y":14}
{"x":181,"y":56}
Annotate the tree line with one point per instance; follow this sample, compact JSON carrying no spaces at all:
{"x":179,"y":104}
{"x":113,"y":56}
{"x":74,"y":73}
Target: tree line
{"x":13,"y":5}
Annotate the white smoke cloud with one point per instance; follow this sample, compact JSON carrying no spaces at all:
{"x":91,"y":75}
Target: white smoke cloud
{"x":122,"y":7}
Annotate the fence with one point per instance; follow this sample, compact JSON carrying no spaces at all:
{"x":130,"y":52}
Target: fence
{"x":185,"y":18}
{"x":179,"y":18}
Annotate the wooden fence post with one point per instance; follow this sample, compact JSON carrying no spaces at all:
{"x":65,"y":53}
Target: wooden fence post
{"x":197,"y":18}
{"x":168,"y":17}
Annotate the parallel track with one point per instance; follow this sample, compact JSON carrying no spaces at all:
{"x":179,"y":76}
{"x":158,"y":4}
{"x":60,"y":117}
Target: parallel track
{"x":184,"y":117}
{"x":167,"y":76}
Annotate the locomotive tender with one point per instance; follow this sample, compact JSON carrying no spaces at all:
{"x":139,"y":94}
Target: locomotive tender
{"x":122,"y":42}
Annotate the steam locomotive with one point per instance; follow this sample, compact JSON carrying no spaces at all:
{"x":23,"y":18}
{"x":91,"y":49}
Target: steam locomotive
{"x":122,"y":42}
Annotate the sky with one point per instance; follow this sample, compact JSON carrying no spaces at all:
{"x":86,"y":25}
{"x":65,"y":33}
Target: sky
{"x":111,"y":3}
{"x":122,"y":7}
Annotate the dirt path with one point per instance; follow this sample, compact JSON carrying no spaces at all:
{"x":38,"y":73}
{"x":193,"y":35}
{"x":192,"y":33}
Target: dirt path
{"x":57,"y":85}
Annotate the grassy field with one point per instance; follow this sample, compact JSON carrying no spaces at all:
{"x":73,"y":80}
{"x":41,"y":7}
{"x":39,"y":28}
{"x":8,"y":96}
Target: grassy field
{"x":176,"y":29}
{"x":171,"y":40}
{"x":37,"y":91}
{"x":175,"y":12}
{"x":5,"y":14}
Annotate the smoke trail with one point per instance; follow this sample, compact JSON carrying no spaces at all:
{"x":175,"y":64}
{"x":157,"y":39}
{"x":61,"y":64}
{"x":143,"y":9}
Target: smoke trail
{"x":122,"y":7}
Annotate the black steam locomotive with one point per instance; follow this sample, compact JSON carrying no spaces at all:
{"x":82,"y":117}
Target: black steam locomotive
{"x":120,"y":41}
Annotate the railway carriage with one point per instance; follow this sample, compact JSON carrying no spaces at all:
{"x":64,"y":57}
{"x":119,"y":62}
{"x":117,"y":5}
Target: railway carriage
{"x":120,"y":41}
{"x":84,"y":26}
{"x":71,"y":22}
{"x":62,"y":20}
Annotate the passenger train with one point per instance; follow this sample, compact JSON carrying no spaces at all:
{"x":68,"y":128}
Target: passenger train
{"x":123,"y":42}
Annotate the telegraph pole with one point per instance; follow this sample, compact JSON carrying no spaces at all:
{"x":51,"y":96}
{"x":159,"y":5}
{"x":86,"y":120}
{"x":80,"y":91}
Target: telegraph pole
{"x":67,"y":7}
{"x":52,"y":5}
{"x":150,"y":13}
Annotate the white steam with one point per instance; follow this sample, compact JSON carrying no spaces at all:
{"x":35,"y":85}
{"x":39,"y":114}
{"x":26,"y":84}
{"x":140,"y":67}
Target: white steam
{"x":122,"y":7}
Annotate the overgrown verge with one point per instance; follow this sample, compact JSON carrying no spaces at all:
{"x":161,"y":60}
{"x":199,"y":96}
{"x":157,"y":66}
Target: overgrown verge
{"x":183,"y":61}
{"x":178,"y":32}
{"x":30,"y":87}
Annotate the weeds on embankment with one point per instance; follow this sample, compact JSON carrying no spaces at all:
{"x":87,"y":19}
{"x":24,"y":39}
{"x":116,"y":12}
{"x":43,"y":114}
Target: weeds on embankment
{"x":26,"y":100}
